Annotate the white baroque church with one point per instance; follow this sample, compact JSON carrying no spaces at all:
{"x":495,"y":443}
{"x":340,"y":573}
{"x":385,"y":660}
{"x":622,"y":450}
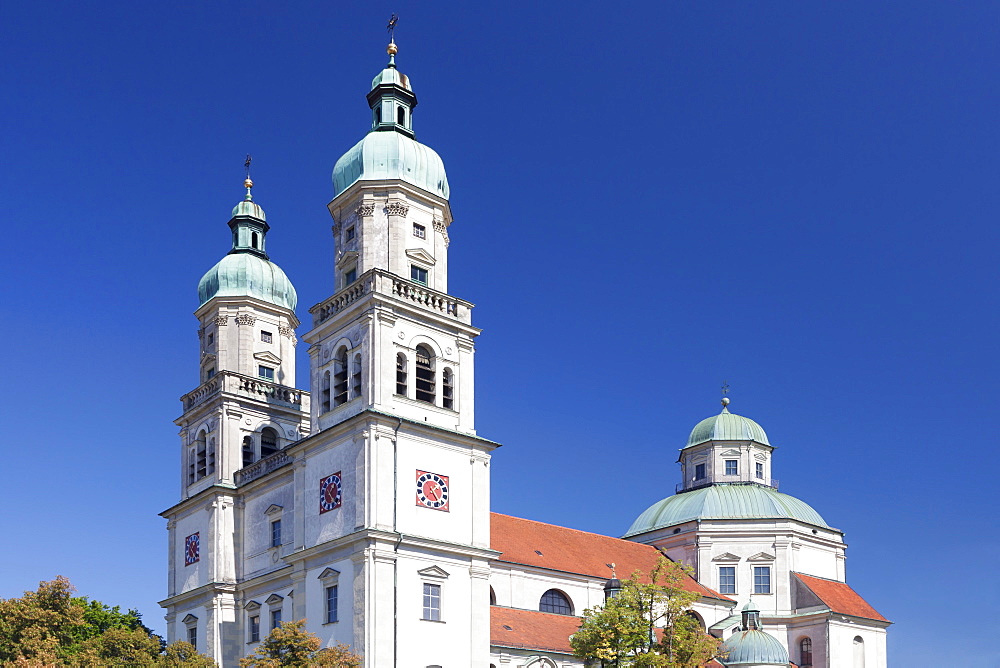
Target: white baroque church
{"x":363,"y":506}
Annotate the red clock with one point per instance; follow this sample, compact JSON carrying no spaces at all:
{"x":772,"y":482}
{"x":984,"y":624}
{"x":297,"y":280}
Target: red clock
{"x":331,"y":489}
{"x":192,"y":549}
{"x":432,"y":490}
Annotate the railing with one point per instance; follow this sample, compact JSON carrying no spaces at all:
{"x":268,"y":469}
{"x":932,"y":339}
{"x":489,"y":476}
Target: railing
{"x":263,"y":467}
{"x":388,"y":284}
{"x":707,"y":482}
{"x":237,"y":383}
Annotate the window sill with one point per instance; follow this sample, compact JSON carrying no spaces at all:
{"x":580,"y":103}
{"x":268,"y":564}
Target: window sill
{"x":433,"y":621}
{"x":337,"y":621}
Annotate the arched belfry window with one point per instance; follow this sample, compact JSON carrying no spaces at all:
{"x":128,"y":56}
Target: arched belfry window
{"x":401,"y":116}
{"x":248,"y":454}
{"x":448,"y":388}
{"x":340,"y":377}
{"x":211,"y":456}
{"x":378,"y":116}
{"x":254,"y":240}
{"x":401,"y":379}
{"x":192,"y":458}
{"x":268,"y":442}
{"x":556,"y":602}
{"x":425,"y":374}
{"x":356,"y":377}
{"x":806,"y":652}
{"x":202,"y":448}
{"x":324,"y":393}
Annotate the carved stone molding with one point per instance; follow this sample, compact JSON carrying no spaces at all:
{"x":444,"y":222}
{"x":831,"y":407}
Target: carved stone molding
{"x":365,"y":209}
{"x":396,"y":208}
{"x":336,"y":230}
{"x":220,"y":321}
{"x":246,"y":319}
{"x":286,"y":331}
{"x":442,"y":229}
{"x":201,"y":332}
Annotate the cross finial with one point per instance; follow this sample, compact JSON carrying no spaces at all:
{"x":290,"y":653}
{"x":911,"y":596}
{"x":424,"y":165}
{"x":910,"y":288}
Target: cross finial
{"x":392,"y":26}
{"x":725,"y":391}
{"x":392,"y":50}
{"x":248,"y":184}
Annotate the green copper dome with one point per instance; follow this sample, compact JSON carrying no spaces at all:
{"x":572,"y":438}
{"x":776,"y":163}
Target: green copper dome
{"x":248,"y":275}
{"x":754,"y":648}
{"x":722,"y":501}
{"x":727,"y":426}
{"x":390,"y":151}
{"x":247,"y":271}
{"x":391,"y":155}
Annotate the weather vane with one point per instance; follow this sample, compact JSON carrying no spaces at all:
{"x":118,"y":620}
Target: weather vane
{"x":247,"y":164}
{"x":392,"y":27}
{"x":248,"y":184}
{"x":725,"y":391}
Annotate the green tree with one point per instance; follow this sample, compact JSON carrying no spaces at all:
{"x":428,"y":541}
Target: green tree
{"x":39,"y":627}
{"x":291,"y":645}
{"x":182,"y":654}
{"x":647,"y":624}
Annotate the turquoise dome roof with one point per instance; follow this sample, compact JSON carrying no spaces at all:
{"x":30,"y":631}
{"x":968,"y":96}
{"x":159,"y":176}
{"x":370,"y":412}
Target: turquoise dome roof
{"x":391,"y":76}
{"x":754,"y":648}
{"x":249,"y":208}
{"x":248,"y":274}
{"x":391,"y":155}
{"x":722,"y":501}
{"x":727,"y":426}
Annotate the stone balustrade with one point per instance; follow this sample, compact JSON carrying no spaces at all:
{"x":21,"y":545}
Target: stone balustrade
{"x":237,"y":383}
{"x":263,"y":467}
{"x":390,"y":285}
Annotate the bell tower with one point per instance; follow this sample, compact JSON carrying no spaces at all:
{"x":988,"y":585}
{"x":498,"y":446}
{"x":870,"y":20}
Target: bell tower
{"x":243,"y":413}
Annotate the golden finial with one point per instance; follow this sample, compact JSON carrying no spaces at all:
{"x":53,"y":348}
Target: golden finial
{"x":392,"y":50}
{"x":248,"y":184}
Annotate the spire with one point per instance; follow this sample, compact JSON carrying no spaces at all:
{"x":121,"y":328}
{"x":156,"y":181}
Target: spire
{"x":391,"y":99}
{"x":248,"y":223}
{"x":612,"y":587}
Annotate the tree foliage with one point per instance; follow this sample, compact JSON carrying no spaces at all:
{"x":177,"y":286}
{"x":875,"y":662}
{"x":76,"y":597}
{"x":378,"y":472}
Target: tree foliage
{"x":647,"y":625}
{"x":51,"y":627}
{"x":291,"y":645}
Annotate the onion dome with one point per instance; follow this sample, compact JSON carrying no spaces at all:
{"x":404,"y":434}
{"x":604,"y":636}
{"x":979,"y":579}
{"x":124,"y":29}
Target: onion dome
{"x":389,"y":150}
{"x":751,"y":647}
{"x":246,"y":271}
{"x":727,"y":426}
{"x":725,"y":502}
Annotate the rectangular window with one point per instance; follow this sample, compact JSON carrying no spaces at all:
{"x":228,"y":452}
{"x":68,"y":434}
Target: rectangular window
{"x":732,"y":467}
{"x":350,"y":276}
{"x":349,"y":234}
{"x":210,"y":373}
{"x":762,"y":579}
{"x":419,"y":231}
{"x":331,"y":604}
{"x":432,"y":602}
{"x":211,"y":338}
{"x":265,"y":372}
{"x":275,"y":619}
{"x":418,"y":274}
{"x":193,"y":636}
{"x":699,"y":471}
{"x":276,"y":533}
{"x":760,"y":470}
{"x":255,"y":628}
{"x":265,"y":337}
{"x":727,"y":579}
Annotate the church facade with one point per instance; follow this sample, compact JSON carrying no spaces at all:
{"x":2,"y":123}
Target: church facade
{"x":363,"y":506}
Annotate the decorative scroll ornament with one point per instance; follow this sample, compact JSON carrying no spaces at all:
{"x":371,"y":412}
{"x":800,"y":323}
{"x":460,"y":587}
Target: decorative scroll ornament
{"x":365,"y":209}
{"x":396,"y":209}
{"x":220,"y":321}
{"x":336,"y":229}
{"x":442,"y":229}
{"x":246,"y":319}
{"x":286,"y":331}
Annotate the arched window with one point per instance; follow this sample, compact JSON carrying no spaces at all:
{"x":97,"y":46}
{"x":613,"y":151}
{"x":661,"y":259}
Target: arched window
{"x":697,"y":619}
{"x":268,"y":442}
{"x":356,"y":377}
{"x":401,"y":374}
{"x":555,"y":601}
{"x":201,"y":448}
{"x":191,"y":466}
{"x":324,"y":393}
{"x":493,"y":597}
{"x":448,"y":388}
{"x":806,"y":652}
{"x":859,"y":652}
{"x":425,"y":374}
{"x":254,"y":240}
{"x":378,"y":116}
{"x":401,"y":116}
{"x":248,"y":451}
{"x":340,"y":377}
{"x":211,"y":456}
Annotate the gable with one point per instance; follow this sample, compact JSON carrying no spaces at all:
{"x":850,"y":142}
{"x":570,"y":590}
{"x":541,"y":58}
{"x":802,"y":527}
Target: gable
{"x":433,"y":572}
{"x":267,"y":357}
{"x":726,"y":556}
{"x":420,"y":255}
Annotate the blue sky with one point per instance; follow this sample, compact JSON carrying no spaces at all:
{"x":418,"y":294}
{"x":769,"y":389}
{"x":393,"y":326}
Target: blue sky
{"x":649,"y":199}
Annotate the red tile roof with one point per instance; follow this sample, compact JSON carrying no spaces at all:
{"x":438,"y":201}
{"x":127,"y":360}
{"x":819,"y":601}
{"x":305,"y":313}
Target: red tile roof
{"x":527,"y":629}
{"x":839,"y":597}
{"x":548,"y":546}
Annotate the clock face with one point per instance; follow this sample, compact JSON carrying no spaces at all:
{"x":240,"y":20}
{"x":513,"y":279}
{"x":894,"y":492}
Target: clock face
{"x":331,"y":490}
{"x":192,"y":549}
{"x":432,"y":490}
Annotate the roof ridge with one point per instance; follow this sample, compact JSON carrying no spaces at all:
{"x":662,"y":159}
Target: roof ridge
{"x":589,"y":533}
{"x":819,"y":577}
